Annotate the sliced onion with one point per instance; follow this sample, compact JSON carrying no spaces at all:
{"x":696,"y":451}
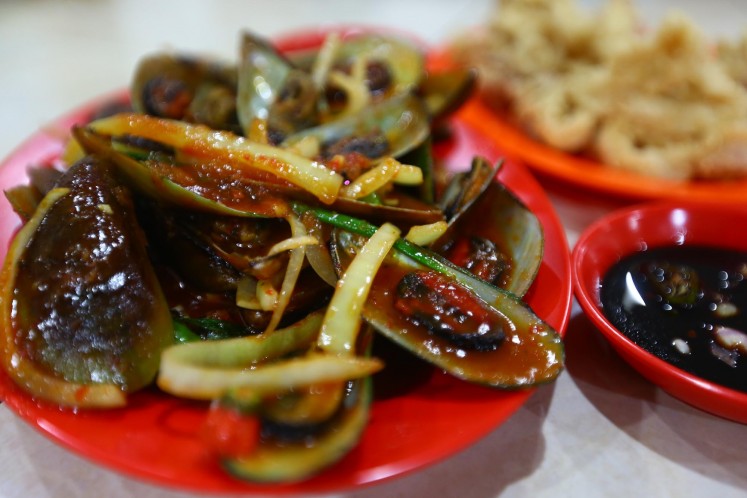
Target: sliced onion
{"x":372,"y":180}
{"x":199,"y":367}
{"x":258,"y":131}
{"x":354,"y":85}
{"x":731,"y":338}
{"x":267,"y":295}
{"x":324,"y":59}
{"x":318,"y":255}
{"x":181,"y":375}
{"x":424,"y":235}
{"x":408,"y":175}
{"x":308,"y":146}
{"x":208,"y":369}
{"x":246,"y":293}
{"x":292,"y":243}
{"x":203,"y":142}
{"x":343,"y":317}
{"x":292,"y":271}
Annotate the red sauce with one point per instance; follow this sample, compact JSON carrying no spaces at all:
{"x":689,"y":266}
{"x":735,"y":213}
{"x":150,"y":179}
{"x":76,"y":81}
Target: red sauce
{"x":520,"y":352}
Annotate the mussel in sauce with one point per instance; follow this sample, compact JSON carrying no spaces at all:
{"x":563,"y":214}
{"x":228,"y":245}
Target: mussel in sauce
{"x":449,"y":310}
{"x":188,"y":88}
{"x":83,"y":305}
{"x":390,"y":128}
{"x":507,"y":346}
{"x":503,"y":247}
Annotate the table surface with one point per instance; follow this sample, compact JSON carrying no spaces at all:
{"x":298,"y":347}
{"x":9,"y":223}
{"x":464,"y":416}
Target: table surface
{"x":600,"y":430}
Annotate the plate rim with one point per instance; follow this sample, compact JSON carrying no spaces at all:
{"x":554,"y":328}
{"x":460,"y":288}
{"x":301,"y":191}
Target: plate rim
{"x":592,"y":176}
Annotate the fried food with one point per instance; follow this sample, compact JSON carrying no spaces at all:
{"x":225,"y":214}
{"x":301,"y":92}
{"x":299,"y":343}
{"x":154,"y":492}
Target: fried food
{"x":666,"y":102}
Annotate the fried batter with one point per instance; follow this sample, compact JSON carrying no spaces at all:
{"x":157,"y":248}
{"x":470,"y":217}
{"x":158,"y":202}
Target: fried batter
{"x":667,"y":103}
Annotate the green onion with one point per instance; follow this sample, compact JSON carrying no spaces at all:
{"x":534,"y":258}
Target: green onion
{"x":182,"y":333}
{"x":362,"y":227}
{"x":419,"y":254}
{"x":188,"y":329}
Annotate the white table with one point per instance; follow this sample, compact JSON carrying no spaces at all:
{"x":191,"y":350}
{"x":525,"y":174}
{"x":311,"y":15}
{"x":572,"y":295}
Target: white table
{"x":600,"y":430}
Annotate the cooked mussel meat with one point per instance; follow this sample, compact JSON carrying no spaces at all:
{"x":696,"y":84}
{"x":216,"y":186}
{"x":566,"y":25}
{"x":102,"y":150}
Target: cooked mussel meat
{"x":450,"y":310}
{"x":482,"y":257}
{"x":503,"y":247}
{"x":389,"y":128}
{"x":500,"y":342}
{"x":188,"y":88}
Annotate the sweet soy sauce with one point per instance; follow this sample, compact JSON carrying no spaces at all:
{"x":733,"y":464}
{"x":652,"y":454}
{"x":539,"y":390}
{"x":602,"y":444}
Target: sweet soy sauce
{"x":687,"y":305}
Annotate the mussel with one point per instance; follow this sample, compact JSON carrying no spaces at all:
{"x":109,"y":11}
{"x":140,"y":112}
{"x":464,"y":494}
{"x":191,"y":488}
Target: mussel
{"x":445,"y":91}
{"x":196,"y":187}
{"x":271,"y":89}
{"x":189,"y":88}
{"x":84,"y":316}
{"x":449,"y":317}
{"x":490,"y":230}
{"x":24,"y":199}
{"x":389,"y":128}
{"x":393,"y":65}
{"x":209,"y":252}
{"x":305,"y":430}
{"x":298,"y":458}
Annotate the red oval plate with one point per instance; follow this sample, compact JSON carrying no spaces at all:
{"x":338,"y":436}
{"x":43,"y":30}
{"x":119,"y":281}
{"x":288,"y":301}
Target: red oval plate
{"x":156,"y":437}
{"x":592,"y":176}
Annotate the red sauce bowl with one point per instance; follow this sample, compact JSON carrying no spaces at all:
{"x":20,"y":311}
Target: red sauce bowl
{"x":647,"y":226}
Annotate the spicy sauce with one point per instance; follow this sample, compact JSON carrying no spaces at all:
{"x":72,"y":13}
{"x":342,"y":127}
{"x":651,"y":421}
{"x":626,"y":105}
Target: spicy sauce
{"x":687,"y":305}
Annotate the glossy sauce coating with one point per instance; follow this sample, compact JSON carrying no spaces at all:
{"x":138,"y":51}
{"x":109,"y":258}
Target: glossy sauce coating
{"x":81,"y":291}
{"x":518,"y":353}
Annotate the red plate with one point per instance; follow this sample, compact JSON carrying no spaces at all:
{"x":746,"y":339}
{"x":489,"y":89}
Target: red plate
{"x":591,"y":176}
{"x":647,"y":226}
{"x":156,"y":437}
